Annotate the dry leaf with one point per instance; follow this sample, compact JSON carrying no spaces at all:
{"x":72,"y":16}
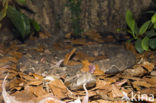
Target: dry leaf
{"x":36,"y":76}
{"x":137,"y":84}
{"x":101,"y":84}
{"x":86,"y":65}
{"x":79,"y":42}
{"x":35,"y":83}
{"x":12,"y":99}
{"x":16,"y":54}
{"x":44,"y":35}
{"x":94,"y":36}
{"x":38,"y":91}
{"x":26,"y":77}
{"x":68,"y":35}
{"x":107,"y":101}
{"x":148,"y":91}
{"x":137,"y":70}
{"x":120,"y":83}
{"x":151,"y":81}
{"x":148,"y":66}
{"x":153,"y":73}
{"x":5,"y":60}
{"x":58,"y":88}
{"x":40,"y":49}
{"x":68,"y":56}
{"x":16,"y":84}
{"x":116,"y":92}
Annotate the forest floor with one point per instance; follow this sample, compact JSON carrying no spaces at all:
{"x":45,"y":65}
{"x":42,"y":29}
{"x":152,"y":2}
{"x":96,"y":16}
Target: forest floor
{"x":23,"y":78}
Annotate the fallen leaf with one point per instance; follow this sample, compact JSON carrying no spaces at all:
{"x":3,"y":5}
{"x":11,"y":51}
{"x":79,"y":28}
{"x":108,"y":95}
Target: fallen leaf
{"x":79,"y":42}
{"x":36,"y":76}
{"x":58,"y":88}
{"x":35,"y":83}
{"x":107,"y":101}
{"x":68,"y":35}
{"x":141,"y":83}
{"x":116,"y":92}
{"x":151,"y":81}
{"x":148,"y":91}
{"x":101,"y":84}
{"x":148,"y":66}
{"x":40,"y":49}
{"x":86,"y":65}
{"x":38,"y":91}
{"x":153,"y":73}
{"x":137,"y":70}
{"x":13,"y":99}
{"x":16,"y":54}
{"x":68,"y":56}
{"x":15,"y":84}
{"x":5,"y":60}
{"x":94,"y":36}
{"x":44,"y":35}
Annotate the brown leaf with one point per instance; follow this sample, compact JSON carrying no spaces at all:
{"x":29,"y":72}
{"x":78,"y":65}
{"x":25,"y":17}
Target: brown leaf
{"x":44,"y":35}
{"x":26,"y":77}
{"x":94,"y":36}
{"x":148,"y":66}
{"x":68,"y":56}
{"x":68,"y":35}
{"x":24,"y":95}
{"x":58,"y":88}
{"x":101,"y":84}
{"x":86,"y":65}
{"x":137,"y":70}
{"x":116,"y":92}
{"x":36,"y":76}
{"x":16,"y":84}
{"x":120,"y":83}
{"x":40,"y":49}
{"x":148,"y":91}
{"x":36,"y":82}
{"x":37,"y":91}
{"x":153,"y":73}
{"x":16,"y":54}
{"x":5,"y":60}
{"x":79,"y":42}
{"x":107,"y":101}
{"x":151,"y":81}
{"x":137,"y":84}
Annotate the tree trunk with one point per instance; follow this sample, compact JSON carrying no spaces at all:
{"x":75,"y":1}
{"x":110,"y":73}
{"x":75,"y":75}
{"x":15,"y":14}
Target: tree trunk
{"x":99,"y":15}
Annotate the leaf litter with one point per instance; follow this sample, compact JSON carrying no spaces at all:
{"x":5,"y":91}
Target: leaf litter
{"x":18,"y":87}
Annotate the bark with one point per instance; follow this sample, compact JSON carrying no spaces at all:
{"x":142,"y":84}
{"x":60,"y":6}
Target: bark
{"x":99,"y":15}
